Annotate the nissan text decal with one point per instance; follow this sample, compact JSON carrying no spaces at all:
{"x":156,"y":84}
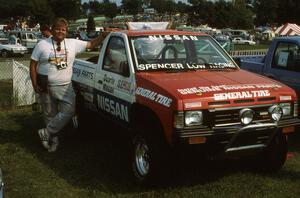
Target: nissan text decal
{"x":173,"y":37}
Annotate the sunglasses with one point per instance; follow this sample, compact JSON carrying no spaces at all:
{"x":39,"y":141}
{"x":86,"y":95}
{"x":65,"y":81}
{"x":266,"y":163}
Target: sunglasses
{"x":58,"y":47}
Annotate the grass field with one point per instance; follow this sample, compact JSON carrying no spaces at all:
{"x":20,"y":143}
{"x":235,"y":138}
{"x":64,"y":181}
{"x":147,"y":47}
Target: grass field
{"x":95,"y":165}
{"x":251,"y":47}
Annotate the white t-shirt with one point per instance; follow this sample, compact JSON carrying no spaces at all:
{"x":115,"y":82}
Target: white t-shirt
{"x":48,"y":57}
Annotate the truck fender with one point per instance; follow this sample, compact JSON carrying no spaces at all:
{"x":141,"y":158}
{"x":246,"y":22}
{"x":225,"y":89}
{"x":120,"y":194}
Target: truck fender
{"x":142,"y":116}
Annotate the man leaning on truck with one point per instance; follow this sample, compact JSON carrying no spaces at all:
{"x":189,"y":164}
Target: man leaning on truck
{"x":51,"y":71}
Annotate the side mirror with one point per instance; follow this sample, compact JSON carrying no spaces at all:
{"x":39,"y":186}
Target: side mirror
{"x":124,"y":68}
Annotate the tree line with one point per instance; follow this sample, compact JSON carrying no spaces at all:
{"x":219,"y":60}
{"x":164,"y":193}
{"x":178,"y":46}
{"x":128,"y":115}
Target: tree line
{"x":221,"y":14}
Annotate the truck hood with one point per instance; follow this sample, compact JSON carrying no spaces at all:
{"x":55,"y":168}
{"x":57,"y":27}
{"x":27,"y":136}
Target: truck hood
{"x":209,"y":88}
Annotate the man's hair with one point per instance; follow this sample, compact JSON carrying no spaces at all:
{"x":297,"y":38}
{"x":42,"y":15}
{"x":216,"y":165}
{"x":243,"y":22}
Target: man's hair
{"x":58,"y":22}
{"x":45,"y":27}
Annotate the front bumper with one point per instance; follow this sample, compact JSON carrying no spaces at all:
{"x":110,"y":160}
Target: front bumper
{"x":17,"y":51}
{"x":234,"y":139}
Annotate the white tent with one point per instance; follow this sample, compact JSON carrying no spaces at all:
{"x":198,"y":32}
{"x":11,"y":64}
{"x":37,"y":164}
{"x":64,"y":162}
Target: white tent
{"x":288,"y":29}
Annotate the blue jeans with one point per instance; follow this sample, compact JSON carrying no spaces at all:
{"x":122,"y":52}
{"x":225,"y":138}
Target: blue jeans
{"x":58,"y":106}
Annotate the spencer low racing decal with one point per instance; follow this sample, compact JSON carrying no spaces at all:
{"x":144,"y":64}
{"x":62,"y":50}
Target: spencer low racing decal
{"x":241,"y":95}
{"x":173,"y":37}
{"x":151,"y":95}
{"x":178,"y":66}
{"x":197,"y":90}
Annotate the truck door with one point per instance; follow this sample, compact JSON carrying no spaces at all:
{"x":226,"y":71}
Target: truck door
{"x":114,"y":79}
{"x":286,"y":65}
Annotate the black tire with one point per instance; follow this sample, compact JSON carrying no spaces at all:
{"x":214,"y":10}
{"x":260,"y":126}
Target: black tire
{"x":274,"y":157}
{"x":148,"y":153}
{"x":141,"y":159}
{"x":4,"y":53}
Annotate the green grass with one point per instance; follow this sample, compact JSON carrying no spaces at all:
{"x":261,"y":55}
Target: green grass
{"x":94,"y":165}
{"x":6,"y":94}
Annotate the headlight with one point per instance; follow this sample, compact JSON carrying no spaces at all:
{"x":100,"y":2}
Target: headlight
{"x":276,"y":112}
{"x":286,"y":109}
{"x":246,"y":116}
{"x":193,"y":118}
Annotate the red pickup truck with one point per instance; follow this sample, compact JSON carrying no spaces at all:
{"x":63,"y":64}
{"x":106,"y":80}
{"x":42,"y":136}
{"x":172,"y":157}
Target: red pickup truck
{"x":177,"y":89}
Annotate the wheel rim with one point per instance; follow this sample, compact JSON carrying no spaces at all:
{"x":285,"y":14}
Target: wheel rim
{"x":142,"y":157}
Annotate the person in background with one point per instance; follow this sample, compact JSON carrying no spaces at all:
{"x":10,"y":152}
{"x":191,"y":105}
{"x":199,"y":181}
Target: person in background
{"x":45,"y":30}
{"x":51,"y":71}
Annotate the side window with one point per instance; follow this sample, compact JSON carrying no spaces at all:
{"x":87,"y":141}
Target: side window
{"x":115,"y":55}
{"x":287,"y":57}
{"x":24,"y":36}
{"x":30,"y":36}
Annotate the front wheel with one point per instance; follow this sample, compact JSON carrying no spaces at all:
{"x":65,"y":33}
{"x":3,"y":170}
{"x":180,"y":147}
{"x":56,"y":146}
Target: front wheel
{"x":274,"y":156}
{"x":141,"y":158}
{"x":148,"y":157}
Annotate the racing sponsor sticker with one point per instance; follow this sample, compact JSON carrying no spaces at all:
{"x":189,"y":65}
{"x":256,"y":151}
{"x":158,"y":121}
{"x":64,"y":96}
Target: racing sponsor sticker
{"x":156,"y":97}
{"x":183,"y":66}
{"x":241,"y":95}
{"x":192,"y":105}
{"x":83,"y":73}
{"x":206,"y":89}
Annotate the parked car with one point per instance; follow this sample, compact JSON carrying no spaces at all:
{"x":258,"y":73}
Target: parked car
{"x":1,"y":185}
{"x":239,"y":40}
{"x":27,"y":38}
{"x":12,"y":47}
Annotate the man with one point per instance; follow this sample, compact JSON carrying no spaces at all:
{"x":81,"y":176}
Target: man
{"x":45,"y":30}
{"x":51,"y":71}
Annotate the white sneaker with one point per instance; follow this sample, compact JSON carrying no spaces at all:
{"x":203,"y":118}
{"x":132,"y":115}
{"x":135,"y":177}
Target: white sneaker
{"x":44,"y":136}
{"x":54,"y":145}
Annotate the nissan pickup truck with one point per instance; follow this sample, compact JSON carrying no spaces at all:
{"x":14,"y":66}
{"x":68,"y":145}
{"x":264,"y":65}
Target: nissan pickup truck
{"x":282,"y":61}
{"x":181,"y":90}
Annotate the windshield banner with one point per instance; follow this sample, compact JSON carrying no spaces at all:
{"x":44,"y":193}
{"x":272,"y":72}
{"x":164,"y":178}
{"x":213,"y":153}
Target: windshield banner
{"x":185,"y":66}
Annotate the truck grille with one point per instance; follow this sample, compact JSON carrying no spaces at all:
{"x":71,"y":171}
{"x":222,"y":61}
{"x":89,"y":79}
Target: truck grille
{"x":231,"y":116}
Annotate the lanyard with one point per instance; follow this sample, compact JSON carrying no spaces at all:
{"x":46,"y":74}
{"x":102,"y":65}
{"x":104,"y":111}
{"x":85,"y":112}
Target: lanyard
{"x":66,"y":54}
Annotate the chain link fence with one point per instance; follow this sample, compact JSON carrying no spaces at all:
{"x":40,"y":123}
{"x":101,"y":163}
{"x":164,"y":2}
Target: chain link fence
{"x":15,"y":84}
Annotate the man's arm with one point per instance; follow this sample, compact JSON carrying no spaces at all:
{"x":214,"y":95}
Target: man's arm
{"x":97,"y":41}
{"x":33,"y":75}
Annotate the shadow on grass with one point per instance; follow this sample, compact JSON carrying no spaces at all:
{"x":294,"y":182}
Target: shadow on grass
{"x":98,"y":158}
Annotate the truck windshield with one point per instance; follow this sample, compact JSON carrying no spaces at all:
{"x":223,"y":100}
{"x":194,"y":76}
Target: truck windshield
{"x":179,"y":52}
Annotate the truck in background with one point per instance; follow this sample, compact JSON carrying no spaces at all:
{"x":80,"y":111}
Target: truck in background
{"x":282,"y":62}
